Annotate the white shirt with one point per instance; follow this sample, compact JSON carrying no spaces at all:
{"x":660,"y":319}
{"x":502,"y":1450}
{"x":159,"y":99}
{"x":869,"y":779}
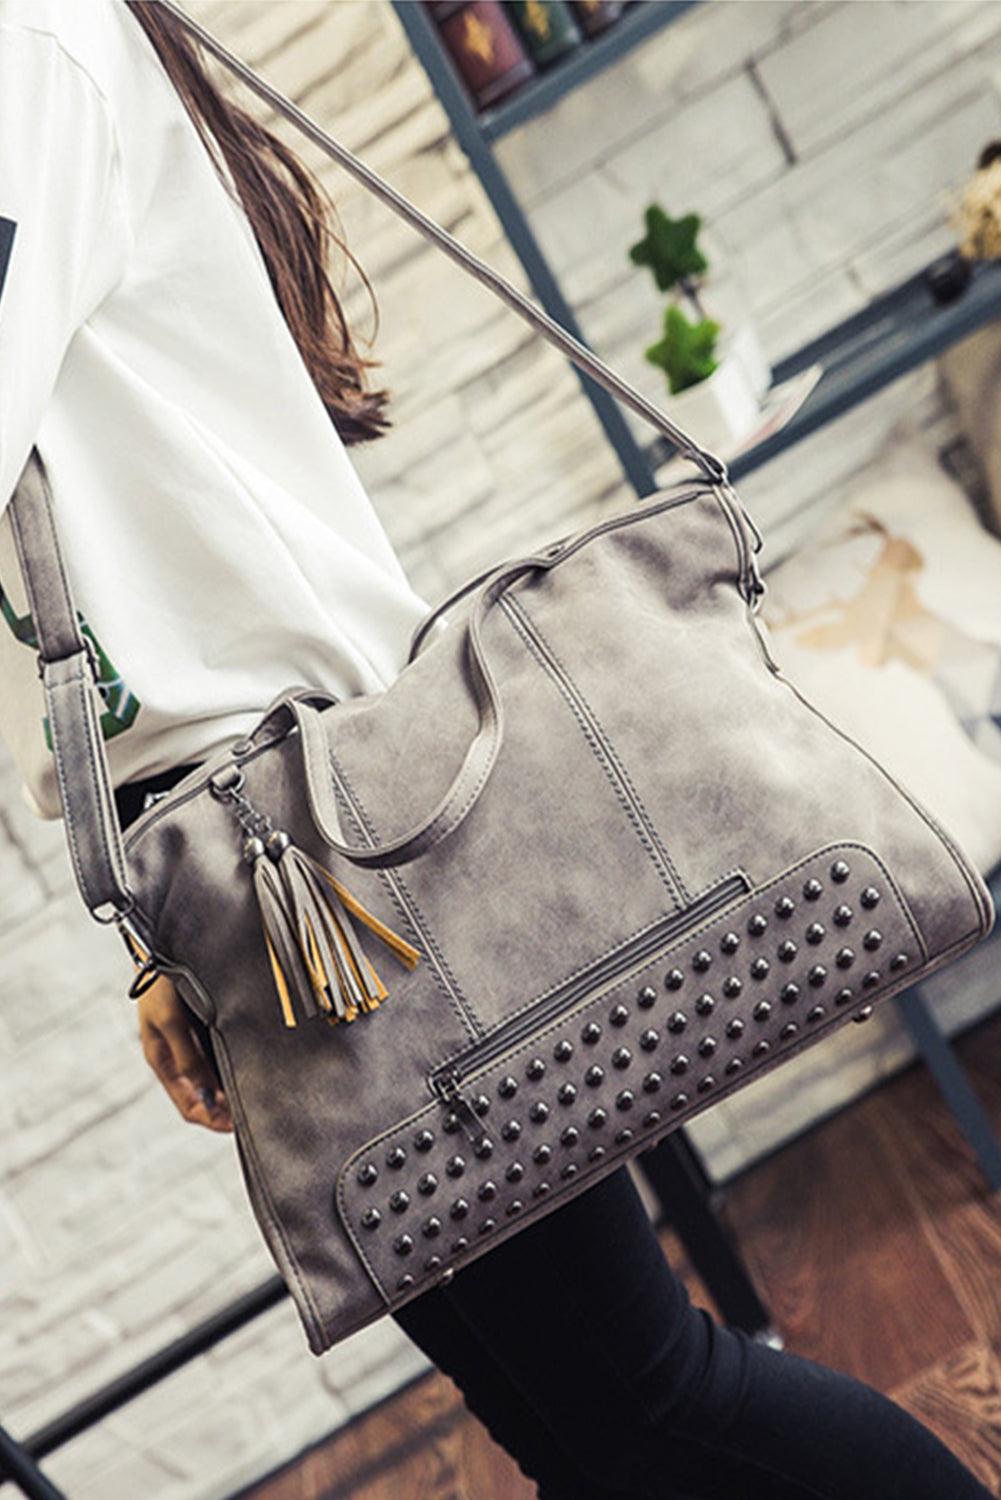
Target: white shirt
{"x":218,"y":540}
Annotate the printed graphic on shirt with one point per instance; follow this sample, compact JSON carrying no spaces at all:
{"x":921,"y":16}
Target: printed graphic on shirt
{"x":121,"y":707}
{"x":7,"y":229}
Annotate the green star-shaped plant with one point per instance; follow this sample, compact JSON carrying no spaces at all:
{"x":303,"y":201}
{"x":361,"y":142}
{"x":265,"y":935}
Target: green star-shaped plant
{"x":669,"y":248}
{"x":685,"y":353}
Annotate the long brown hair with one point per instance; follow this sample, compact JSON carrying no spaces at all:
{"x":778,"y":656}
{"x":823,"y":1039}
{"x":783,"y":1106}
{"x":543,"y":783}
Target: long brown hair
{"x":295,"y":223}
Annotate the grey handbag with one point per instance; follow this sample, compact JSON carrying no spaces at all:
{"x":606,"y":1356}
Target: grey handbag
{"x":464,"y":946}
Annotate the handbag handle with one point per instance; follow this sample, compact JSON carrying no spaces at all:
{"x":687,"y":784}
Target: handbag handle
{"x":67,"y":665}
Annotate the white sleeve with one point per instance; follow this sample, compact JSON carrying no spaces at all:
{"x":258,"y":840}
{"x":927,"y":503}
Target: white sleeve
{"x":64,"y":232}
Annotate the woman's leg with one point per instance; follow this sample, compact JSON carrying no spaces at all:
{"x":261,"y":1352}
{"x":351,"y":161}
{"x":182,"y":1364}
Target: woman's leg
{"x":581,"y":1316}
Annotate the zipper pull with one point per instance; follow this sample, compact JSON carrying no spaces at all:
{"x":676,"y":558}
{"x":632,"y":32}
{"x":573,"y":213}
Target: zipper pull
{"x":446,"y":1088}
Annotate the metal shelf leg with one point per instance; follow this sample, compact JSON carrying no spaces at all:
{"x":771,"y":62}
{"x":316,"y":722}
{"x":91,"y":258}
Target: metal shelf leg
{"x":16,"y":1465}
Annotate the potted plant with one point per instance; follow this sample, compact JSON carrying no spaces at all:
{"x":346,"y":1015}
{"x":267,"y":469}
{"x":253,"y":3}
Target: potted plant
{"x":715,"y":382}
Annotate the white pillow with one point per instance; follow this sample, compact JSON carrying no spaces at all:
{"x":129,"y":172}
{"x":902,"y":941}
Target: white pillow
{"x":889,"y":620}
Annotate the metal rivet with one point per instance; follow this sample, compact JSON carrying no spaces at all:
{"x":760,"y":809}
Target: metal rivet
{"x":621,"y":1057}
{"x":487,"y":1225}
{"x":679,"y":1064}
{"x":735,"y":1027}
{"x":508,"y":1087}
{"x":570,"y":1170}
{"x":649,"y":1039}
{"x":757,"y":924}
{"x":677,"y":1021}
{"x":789,"y":994}
{"x":817,"y":975}
{"x":591,"y":1033}
{"x":705,"y":1005}
{"x":403,"y":1244}
{"x":761,"y":1047}
{"x":762,"y":1010}
{"x":405,"y":1283}
{"x":899,"y":961}
{"x":368,"y":1173}
{"x":486,"y":1191}
{"x":869,"y":897}
{"x":455,"y":1166}
{"x":538,"y":1112}
{"x":432,"y":1263}
{"x":702,"y":960}
{"x":396,"y":1157}
{"x":542,"y":1154}
{"x":594,"y":1075}
{"x":706,"y":1083}
{"x":872,"y":939}
{"x":541,"y":1189}
{"x":566,"y":1093}
{"x":679,"y":1101}
{"x":845,"y":958}
{"x":813,"y":890}
{"x":840,"y":871}
{"x":732,"y":986}
{"x":618,"y":1015}
{"x":481,"y":1104}
{"x":729,"y":942}
{"x":863,"y":1014}
{"x":707,"y":1046}
{"x":674,"y":979}
{"x":623,"y":1136}
{"x":596,"y":1153}
{"x":371,"y":1218}
{"x":760,"y":968}
{"x":515,"y":1172}
{"x":734,"y":1065}
{"x":843,"y":996}
{"x":784,"y":907}
{"x":424,"y":1140}
{"x":451,"y":1123}
{"x":816,"y":933}
{"x":815,"y":1013}
{"x":597,"y":1117}
{"x":484,"y":1147}
{"x":625,"y":1099}
{"x":842,"y":915}
{"x":570,"y":1135}
{"x":647,"y":997}
{"x":563,"y":1051}
{"x":871,"y":979}
{"x":462,"y":1243}
{"x":459,"y":1209}
{"x":787,"y":950}
{"x":511,"y":1130}
{"x":514,"y":1207}
{"x":789,"y":1029}
{"x":651,"y":1118}
{"x":652,"y":1082}
{"x":536,"y":1069}
{"x":427,"y":1184}
{"x":431,"y":1228}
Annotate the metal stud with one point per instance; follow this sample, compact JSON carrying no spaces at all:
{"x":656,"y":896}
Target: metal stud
{"x":705,"y":1005}
{"x":424,"y":1140}
{"x":757,"y":924}
{"x":702,"y":961}
{"x":596,"y":1153}
{"x":541,"y":1189}
{"x":813,"y":890}
{"x":405,"y":1283}
{"x":840,"y":871}
{"x":455,"y":1166}
{"x":538,"y":1112}
{"x":597,"y":1117}
{"x":869,"y":897}
{"x":735,"y":1027}
{"x":570,"y":1170}
{"x":679,"y":1064}
{"x":542,"y":1154}
{"x":515,"y":1172}
{"x":484,"y":1147}
{"x":707,"y":1046}
{"x":677,"y":1021}
{"x":396,"y":1157}
{"x":651,"y":1118}
{"x":427,"y":1184}
{"x":652,"y":1083}
{"x":563,"y":1051}
{"x":843,"y":996}
{"x":784,"y":907}
{"x":621,"y":1057}
{"x":734,"y":1065}
{"x":787,"y":950}
{"x":594,"y":1076}
{"x":817,"y":975}
{"x":486,"y":1191}
{"x":760,"y":1047}
{"x":789,"y":994}
{"x":706,"y":1083}
{"x":460,"y":1208}
{"x":514,"y":1207}
{"x":679,"y":1101}
{"x":815,"y":1013}
{"x":762,"y":1010}
{"x":511,"y":1130}
{"x":871,"y":979}
{"x":618,"y":1015}
{"x":815,"y":933}
{"x":431,"y":1228}
{"x":403,"y":1244}
{"x":487,"y":1225}
{"x":508,"y":1087}
{"x":843,"y":915}
{"x":570,"y":1135}
{"x":845,"y":958}
{"x":898,"y":962}
{"x":451,"y":1123}
{"x":649,"y":1039}
{"x":760,"y":968}
{"x":536,"y":1069}
{"x":625,"y":1099}
{"x":481,"y":1104}
{"x":566,"y":1093}
{"x":863,"y":1014}
{"x":432,"y":1263}
{"x":646,"y":997}
{"x":623,"y":1136}
{"x":732,"y":986}
{"x":371,"y":1218}
{"x":591,"y":1033}
{"x":368,"y":1173}
{"x":729,"y":942}
{"x":462,"y":1243}
{"x":789,"y":1030}
{"x":872,"y":940}
{"x":674,"y":979}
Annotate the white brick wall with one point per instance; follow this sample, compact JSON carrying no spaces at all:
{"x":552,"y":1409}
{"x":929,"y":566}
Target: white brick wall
{"x":820,"y":141}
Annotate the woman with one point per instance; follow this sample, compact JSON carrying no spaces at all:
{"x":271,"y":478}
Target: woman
{"x":183,"y":363}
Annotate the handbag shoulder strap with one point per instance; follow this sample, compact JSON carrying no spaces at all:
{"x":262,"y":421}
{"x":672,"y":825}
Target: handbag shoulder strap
{"x":67,"y":664}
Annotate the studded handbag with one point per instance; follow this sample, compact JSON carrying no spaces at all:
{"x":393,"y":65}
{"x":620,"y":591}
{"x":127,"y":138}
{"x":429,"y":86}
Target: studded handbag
{"x":463,"y":946}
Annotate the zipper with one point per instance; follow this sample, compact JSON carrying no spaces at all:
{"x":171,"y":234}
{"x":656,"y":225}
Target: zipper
{"x":447,"y":1081}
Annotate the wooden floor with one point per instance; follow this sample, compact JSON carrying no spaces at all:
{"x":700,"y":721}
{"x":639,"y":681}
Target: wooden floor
{"x":875,"y":1244}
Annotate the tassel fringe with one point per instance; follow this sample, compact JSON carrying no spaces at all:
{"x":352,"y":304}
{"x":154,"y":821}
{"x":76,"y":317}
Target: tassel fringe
{"x":317,"y":961}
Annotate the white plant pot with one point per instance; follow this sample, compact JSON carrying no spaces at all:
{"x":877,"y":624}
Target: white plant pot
{"x":722,"y":409}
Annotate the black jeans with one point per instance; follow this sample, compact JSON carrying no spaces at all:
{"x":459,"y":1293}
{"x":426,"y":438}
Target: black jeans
{"x":579,"y":1350}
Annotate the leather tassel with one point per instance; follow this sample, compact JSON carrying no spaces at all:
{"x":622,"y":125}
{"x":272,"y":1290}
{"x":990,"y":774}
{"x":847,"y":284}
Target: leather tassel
{"x":290,"y":973}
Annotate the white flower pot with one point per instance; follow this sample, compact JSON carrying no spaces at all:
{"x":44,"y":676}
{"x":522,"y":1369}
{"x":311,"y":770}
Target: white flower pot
{"x":722,"y":409}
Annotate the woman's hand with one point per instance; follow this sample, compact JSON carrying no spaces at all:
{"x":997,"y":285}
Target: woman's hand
{"x":173,"y":1051}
